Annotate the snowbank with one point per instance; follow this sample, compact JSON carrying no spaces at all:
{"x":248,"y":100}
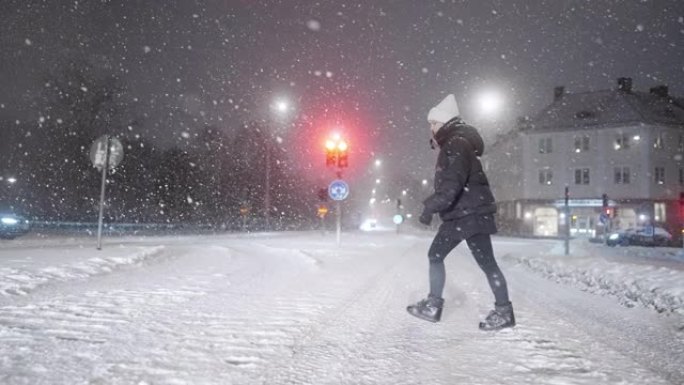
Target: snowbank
{"x":32,"y":270}
{"x":649,"y":277}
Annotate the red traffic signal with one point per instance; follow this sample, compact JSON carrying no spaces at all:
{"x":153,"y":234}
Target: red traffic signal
{"x":336,"y":152}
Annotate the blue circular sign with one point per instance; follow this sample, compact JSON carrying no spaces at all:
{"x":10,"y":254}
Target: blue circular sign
{"x":338,"y":190}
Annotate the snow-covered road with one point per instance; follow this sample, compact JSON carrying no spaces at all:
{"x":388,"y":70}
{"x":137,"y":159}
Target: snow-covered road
{"x":292,"y":308}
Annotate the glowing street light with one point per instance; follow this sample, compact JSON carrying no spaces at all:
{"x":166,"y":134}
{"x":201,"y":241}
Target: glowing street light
{"x":11,"y":180}
{"x":490,"y":102}
{"x":378,"y":163}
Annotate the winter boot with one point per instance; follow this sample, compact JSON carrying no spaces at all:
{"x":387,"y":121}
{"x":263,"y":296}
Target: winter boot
{"x":501,"y":317}
{"x":429,"y":309}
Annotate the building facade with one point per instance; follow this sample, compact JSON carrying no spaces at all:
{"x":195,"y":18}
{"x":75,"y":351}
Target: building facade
{"x":626,"y":144}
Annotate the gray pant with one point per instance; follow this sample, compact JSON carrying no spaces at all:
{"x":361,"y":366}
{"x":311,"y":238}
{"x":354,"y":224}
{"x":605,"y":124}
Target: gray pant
{"x":481,"y":247}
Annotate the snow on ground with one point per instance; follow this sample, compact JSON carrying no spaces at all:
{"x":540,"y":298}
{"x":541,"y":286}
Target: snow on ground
{"x":650,"y":277}
{"x":292,"y":308}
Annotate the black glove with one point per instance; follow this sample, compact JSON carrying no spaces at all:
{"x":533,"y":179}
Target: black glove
{"x":425,"y":218}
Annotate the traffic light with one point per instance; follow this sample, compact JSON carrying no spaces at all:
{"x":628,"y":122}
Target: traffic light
{"x":605,"y":201}
{"x":342,"y":160}
{"x":608,"y":211}
{"x":330,"y":159}
{"x":336,"y":153}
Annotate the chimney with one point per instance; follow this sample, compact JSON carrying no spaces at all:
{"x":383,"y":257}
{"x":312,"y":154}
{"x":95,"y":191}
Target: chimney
{"x":625,"y":85}
{"x":660,"y":91}
{"x":558,"y":93}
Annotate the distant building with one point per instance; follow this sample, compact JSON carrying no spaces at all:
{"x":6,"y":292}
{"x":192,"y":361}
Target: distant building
{"x":623,"y":143}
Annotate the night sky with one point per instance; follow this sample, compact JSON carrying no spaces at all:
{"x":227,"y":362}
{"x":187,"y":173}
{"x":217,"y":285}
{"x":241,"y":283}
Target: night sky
{"x":374,"y":68}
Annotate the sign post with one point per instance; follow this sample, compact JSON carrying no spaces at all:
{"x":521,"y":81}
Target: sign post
{"x":338,"y":191}
{"x":105,"y":153}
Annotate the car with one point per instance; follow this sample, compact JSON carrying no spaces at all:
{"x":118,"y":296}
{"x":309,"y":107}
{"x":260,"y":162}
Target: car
{"x":640,"y":236}
{"x":13,"y":225}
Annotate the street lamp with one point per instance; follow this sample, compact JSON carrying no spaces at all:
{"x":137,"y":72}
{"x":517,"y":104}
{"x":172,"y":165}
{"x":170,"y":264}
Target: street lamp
{"x":490,"y":102}
{"x":281,"y":107}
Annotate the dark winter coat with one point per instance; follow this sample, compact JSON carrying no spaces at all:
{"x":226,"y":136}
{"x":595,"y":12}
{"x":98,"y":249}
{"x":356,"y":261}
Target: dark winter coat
{"x":462,"y":196}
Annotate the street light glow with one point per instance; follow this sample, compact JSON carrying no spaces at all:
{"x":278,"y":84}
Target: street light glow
{"x":11,"y":180}
{"x":378,"y":163}
{"x":490,"y":102}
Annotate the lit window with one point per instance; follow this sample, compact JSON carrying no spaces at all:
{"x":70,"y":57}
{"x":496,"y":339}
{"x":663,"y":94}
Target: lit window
{"x":659,"y":211}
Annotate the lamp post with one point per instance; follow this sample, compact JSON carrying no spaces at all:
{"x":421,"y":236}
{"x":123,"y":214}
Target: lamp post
{"x":281,"y":109}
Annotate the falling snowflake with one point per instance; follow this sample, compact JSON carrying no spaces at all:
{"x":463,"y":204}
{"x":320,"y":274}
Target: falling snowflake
{"x":28,"y":41}
{"x":84,"y":88}
{"x":313,"y":25}
{"x":147,"y":49}
{"x":185,"y":135}
{"x":640,"y":27}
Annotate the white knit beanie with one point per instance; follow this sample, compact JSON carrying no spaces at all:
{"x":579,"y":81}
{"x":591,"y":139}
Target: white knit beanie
{"x":446,"y":110}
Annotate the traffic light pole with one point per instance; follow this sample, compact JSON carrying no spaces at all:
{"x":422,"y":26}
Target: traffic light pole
{"x":338,"y":211}
{"x":567,"y":220}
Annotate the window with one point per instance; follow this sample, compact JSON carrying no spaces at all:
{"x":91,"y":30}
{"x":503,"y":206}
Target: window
{"x":622,"y":175}
{"x":545,"y":146}
{"x":658,"y":141}
{"x":545,"y":177}
{"x":659,"y":211}
{"x":660,"y":175}
{"x":622,"y":141}
{"x":581,"y":176}
{"x":581,"y":143}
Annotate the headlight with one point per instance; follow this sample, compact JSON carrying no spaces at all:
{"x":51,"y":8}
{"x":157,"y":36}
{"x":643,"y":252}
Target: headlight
{"x":9,"y":221}
{"x":614,"y":236}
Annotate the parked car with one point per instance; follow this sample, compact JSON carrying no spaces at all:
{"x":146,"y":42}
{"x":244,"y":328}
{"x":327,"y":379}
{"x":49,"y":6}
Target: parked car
{"x":640,"y":236}
{"x":12,"y":225}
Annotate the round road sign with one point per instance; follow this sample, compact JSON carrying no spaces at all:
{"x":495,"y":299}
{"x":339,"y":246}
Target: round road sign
{"x":338,"y":190}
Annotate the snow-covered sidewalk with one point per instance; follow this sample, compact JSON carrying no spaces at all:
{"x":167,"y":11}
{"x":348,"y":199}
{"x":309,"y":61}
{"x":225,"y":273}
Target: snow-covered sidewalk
{"x":636,"y":276}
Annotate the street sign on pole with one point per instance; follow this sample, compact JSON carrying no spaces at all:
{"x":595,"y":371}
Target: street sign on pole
{"x":338,"y":190}
{"x":105,"y":153}
{"x":98,"y":152}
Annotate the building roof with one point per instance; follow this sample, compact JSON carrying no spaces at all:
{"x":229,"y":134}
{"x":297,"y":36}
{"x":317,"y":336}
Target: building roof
{"x":608,"y":108}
